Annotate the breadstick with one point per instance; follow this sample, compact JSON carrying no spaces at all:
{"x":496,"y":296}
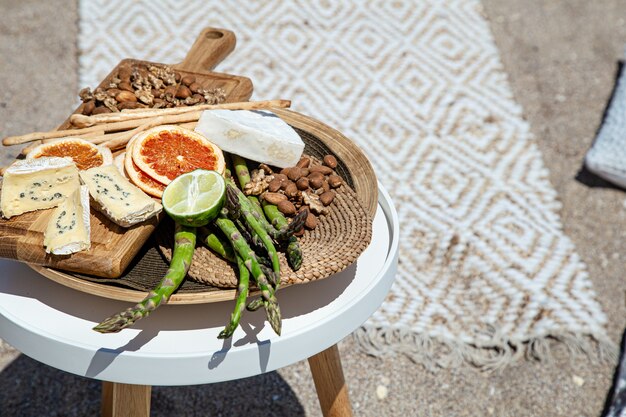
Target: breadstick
{"x":80,"y":120}
{"x":193,"y":114}
{"x":111,"y":127}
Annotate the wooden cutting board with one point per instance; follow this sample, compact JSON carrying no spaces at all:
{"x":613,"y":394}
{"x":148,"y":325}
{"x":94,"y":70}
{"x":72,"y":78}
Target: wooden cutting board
{"x":113,"y":247}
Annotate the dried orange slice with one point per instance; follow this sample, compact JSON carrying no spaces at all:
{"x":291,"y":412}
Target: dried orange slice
{"x":84,"y":153}
{"x":142,"y":180}
{"x":165,"y":152}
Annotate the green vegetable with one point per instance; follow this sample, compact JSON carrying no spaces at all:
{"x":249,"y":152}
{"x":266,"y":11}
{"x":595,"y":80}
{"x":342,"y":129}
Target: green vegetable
{"x":250,"y":261}
{"x":240,"y":303}
{"x":184,"y":245}
{"x":217,"y":244}
{"x":293,"y":251}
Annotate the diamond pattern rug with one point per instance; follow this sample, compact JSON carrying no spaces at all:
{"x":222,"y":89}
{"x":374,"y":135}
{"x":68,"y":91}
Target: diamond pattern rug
{"x":486,"y":273}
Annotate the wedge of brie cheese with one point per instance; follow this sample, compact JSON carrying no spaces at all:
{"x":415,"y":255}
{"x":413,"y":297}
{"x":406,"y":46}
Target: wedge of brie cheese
{"x":258,"y":135}
{"x":35,"y":184}
{"x":118,"y":199}
{"x":69,"y":228}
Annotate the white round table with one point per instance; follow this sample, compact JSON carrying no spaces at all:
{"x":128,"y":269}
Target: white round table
{"x":178,"y":345}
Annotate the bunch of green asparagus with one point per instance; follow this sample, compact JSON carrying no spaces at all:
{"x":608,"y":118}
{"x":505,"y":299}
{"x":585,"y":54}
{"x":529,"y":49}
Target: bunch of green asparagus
{"x":247,"y":233}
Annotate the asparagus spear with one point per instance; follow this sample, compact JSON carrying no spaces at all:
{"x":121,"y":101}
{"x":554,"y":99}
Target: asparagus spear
{"x":217,"y":244}
{"x":277,"y":232}
{"x":294,"y":252}
{"x":184,"y":245}
{"x":255,"y":304}
{"x":249,"y":258}
{"x":242,"y":295}
{"x":246,"y":212}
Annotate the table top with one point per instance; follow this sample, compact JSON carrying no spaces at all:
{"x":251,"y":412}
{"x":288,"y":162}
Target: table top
{"x":177,"y":344}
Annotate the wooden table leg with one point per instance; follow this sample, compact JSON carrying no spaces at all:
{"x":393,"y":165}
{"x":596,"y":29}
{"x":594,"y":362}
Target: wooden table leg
{"x":125,"y":400}
{"x":332,"y":391}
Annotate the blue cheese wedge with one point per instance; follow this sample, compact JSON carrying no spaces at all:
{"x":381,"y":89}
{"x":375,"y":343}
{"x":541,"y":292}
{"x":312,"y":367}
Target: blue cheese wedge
{"x":69,"y":228}
{"x":35,"y":184}
{"x":118,"y":199}
{"x":258,"y":135}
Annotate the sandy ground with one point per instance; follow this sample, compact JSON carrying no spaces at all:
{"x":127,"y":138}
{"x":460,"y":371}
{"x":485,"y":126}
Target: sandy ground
{"x":561,"y":59}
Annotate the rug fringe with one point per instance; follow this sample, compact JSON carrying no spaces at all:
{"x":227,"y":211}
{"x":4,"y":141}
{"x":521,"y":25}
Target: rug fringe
{"x":494,"y":353}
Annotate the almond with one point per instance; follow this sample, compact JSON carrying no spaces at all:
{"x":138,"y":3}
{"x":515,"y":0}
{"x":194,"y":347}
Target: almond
{"x":274,"y":185}
{"x":330,"y":161}
{"x":327,"y":197}
{"x":124,"y":96}
{"x":322,"y":169}
{"x":316,"y":179}
{"x":286,"y":207}
{"x":89,"y":107}
{"x":294,"y":173}
{"x":335,"y":181}
{"x":274,"y":198}
{"x":291,"y":190}
{"x":195,"y":87}
{"x":302,"y":183}
{"x":124,"y":73}
{"x":304,"y":162}
{"x":188,"y":80}
{"x":124,"y":85}
{"x":311,"y":221}
{"x":100,"y":110}
{"x":281,"y":177}
{"x":183,"y":92}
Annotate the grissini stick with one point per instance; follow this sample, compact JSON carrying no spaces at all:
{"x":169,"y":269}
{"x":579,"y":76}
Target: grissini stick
{"x":109,"y":127}
{"x":87,"y":136}
{"x":106,"y":128}
{"x":80,"y":120}
{"x":192,"y":115}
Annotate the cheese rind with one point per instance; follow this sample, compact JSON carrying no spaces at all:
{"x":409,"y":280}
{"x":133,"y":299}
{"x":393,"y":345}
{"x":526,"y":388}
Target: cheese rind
{"x":69,"y":228}
{"x":258,"y":135}
{"x":35,"y":184}
{"x":118,"y":199}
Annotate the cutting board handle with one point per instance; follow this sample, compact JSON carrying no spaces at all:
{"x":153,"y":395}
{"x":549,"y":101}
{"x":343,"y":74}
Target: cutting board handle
{"x":209,"y":49}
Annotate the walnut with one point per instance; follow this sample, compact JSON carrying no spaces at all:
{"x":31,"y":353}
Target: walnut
{"x":85,"y":94}
{"x":314,"y":203}
{"x":190,"y":101}
{"x":166,"y":74}
{"x":100,"y":94}
{"x":145,"y":96}
{"x":111,"y":104}
{"x":155,"y":81}
{"x":258,"y":183}
{"x":213,"y":96}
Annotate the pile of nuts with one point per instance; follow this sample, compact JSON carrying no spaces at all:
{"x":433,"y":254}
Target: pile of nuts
{"x":142,"y":86}
{"x":307,"y":186}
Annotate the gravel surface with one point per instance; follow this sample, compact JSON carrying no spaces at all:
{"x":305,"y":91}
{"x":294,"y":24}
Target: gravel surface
{"x":561,"y":58}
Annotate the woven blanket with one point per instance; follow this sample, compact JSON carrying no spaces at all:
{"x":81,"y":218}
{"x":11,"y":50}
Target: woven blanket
{"x":486,"y":273}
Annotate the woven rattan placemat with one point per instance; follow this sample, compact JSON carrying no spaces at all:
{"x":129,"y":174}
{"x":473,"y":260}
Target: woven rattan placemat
{"x":337,"y":241}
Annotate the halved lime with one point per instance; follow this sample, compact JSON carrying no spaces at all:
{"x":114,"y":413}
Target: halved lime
{"x":195,"y":198}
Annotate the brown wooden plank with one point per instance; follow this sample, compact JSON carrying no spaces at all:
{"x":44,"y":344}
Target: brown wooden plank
{"x":113,"y":247}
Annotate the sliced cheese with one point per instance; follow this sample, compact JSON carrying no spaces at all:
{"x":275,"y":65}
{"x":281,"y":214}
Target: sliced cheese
{"x":117,"y":198}
{"x":69,"y":228}
{"x":258,"y":135}
{"x":35,"y":184}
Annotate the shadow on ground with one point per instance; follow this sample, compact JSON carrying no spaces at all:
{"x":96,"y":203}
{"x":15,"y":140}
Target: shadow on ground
{"x":29,"y":388}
